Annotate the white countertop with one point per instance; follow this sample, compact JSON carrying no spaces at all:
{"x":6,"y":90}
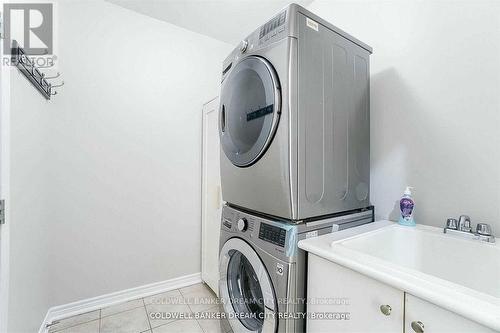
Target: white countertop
{"x":477,"y":306}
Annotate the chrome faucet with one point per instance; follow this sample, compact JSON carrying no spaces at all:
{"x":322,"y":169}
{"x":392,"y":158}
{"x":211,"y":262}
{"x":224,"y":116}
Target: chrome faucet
{"x":463,"y":227}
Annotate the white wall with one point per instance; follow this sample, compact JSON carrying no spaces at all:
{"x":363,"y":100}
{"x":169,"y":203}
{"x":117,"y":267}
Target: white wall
{"x":29,"y":274}
{"x":106,"y":177}
{"x":435,"y":103}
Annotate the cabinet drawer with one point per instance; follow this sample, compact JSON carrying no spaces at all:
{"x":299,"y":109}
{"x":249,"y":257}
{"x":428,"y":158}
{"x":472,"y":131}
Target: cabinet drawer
{"x":352,"y":293}
{"x":436,"y":319}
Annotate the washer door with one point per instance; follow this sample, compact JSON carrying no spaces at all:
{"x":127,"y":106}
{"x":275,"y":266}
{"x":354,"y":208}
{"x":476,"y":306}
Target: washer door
{"x":250,"y":106}
{"x":245,"y":289}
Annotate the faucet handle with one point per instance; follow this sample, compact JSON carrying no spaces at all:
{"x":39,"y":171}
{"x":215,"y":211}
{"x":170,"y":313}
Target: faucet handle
{"x":483,"y":229}
{"x":464,"y":218}
{"x":451,"y":223}
{"x":464,"y":223}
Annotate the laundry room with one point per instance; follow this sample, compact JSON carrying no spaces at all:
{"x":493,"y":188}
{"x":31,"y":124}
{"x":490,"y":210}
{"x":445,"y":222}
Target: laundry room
{"x":217,"y":166}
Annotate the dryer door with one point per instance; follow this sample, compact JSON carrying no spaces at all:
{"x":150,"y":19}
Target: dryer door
{"x":245,"y":289}
{"x":250,"y":106}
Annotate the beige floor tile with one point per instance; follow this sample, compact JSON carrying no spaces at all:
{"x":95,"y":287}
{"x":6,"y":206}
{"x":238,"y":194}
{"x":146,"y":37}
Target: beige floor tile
{"x":210,"y":322}
{"x":117,"y":308}
{"x":180,"y":326}
{"x":162,"y":313}
{"x":199,"y":297}
{"x":130,"y":321}
{"x":199,"y":287}
{"x":75,"y":320}
{"x":90,"y":327}
{"x":133,"y":317}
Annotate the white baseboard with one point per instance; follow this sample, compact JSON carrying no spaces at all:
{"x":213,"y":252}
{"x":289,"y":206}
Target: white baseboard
{"x":99,"y":302}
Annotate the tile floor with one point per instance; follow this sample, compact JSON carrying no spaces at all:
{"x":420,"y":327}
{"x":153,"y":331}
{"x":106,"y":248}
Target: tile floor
{"x":155,"y":314}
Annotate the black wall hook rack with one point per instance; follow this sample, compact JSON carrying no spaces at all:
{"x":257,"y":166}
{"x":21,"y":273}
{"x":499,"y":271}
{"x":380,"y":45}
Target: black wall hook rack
{"x":31,"y":71}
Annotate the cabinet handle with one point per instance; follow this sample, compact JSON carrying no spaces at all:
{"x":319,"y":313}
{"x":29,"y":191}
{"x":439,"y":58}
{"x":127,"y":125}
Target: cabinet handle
{"x":417,"y":326}
{"x":386,"y":309}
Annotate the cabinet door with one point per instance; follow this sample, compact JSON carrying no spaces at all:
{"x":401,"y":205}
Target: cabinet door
{"x":333,"y":288}
{"x":211,"y":196}
{"x":434,"y":319}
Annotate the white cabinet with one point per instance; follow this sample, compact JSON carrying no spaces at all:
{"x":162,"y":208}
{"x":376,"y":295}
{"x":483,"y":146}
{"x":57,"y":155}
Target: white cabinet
{"x":211,"y":196}
{"x":362,"y":301}
{"x":354,"y":295}
{"x":433,"y":319}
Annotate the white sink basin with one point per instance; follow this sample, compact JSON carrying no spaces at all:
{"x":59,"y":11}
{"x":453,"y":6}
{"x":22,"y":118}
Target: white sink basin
{"x":469,"y":263}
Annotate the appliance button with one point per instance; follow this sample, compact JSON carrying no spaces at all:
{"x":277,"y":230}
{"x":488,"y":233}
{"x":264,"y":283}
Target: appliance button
{"x":243,"y":46}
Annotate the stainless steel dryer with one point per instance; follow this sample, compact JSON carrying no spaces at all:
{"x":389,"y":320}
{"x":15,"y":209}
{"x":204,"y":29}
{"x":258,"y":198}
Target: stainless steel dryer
{"x":294,"y":119}
{"x":262,"y":282}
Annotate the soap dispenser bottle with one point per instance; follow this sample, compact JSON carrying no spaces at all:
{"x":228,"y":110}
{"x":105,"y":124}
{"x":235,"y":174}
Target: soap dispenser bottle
{"x":406,"y":205}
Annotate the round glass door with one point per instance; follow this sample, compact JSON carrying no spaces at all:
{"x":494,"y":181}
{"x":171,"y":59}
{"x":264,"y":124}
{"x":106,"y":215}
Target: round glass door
{"x":245,"y":293}
{"x":250,"y":105}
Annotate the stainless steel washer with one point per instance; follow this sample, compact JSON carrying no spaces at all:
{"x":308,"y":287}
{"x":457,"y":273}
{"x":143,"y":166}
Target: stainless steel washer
{"x":262,"y":271}
{"x":294,"y":119}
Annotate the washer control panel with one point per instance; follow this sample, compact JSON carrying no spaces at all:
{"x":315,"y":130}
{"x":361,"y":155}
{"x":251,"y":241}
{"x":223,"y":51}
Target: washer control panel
{"x":272,"y":234}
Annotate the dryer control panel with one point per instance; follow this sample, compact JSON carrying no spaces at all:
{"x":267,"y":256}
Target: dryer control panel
{"x":273,"y":27}
{"x":274,"y":30}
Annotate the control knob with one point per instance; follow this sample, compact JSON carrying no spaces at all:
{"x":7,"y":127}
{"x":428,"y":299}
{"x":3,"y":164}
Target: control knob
{"x":243,"y":46}
{"x":242,"y":224}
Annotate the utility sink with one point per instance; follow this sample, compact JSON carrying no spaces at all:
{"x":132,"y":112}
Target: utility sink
{"x":458,"y":274}
{"x":426,"y":250}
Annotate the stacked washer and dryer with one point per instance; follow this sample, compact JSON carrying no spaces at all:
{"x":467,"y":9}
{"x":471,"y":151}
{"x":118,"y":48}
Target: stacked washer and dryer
{"x":294,"y":129}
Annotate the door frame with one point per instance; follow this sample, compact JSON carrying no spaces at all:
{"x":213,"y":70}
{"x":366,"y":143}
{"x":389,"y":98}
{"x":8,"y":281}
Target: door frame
{"x":5,"y":96}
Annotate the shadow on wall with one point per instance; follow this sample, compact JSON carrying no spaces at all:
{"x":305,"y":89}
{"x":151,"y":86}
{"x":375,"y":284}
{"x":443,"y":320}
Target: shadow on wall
{"x":407,"y":148}
{"x":394,"y":214}
{"x":389,"y":110}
